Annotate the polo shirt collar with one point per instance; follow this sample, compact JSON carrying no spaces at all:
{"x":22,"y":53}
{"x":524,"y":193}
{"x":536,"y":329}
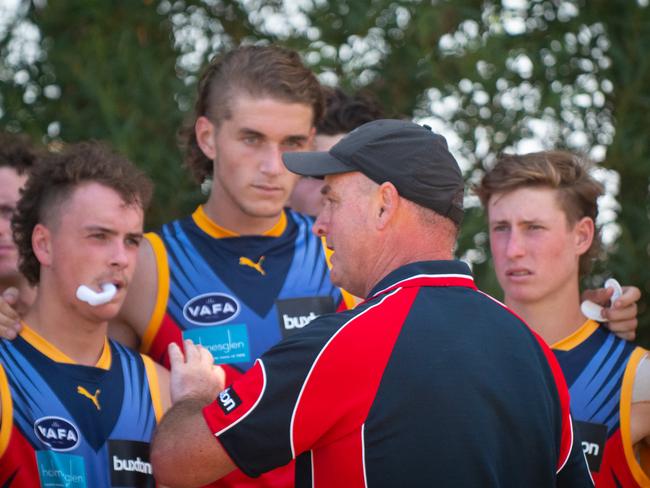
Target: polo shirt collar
{"x":426,"y":273}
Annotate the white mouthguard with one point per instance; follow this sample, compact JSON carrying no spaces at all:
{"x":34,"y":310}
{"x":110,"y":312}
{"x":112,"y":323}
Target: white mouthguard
{"x":594,"y":311}
{"x":93,"y":298}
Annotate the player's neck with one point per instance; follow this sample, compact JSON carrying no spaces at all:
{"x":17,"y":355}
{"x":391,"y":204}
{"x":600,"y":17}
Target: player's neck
{"x":554,"y":317}
{"x":78,"y":337}
{"x":233,"y":219}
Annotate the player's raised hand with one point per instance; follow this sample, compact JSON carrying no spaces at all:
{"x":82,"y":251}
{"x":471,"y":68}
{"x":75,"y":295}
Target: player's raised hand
{"x":621,"y":315}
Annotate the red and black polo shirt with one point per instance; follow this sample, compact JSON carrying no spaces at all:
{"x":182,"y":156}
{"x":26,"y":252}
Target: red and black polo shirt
{"x":429,"y":382}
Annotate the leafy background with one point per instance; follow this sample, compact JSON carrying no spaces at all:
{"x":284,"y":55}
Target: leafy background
{"x":514,"y":75}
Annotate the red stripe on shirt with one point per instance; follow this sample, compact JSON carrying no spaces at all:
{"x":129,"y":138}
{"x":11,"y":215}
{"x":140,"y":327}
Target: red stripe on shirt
{"x":329,"y":408}
{"x":340,"y":461}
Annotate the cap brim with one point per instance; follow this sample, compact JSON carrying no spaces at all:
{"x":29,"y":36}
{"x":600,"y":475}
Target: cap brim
{"x":314,"y":164}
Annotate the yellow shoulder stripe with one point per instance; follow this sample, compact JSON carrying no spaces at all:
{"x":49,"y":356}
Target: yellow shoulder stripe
{"x":162,"y":268}
{"x":7,"y":419}
{"x":625,"y":421}
{"x":154,"y":387}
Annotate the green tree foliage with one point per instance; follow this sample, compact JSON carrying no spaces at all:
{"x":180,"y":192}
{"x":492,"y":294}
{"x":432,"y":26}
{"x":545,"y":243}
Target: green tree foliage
{"x":570,"y":73}
{"x":107,"y":71}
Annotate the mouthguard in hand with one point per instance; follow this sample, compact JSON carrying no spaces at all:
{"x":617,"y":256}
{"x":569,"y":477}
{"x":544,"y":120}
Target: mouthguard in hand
{"x":594,"y":311}
{"x":94,"y":298}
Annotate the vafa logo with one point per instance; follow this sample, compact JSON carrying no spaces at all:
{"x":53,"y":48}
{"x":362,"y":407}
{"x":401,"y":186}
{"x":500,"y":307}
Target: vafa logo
{"x":211,"y":309}
{"x":57,"y":433}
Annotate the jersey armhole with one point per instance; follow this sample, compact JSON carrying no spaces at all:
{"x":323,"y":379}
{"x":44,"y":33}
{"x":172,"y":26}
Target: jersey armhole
{"x":6,"y":418}
{"x":154,"y":386}
{"x":162,"y":294}
{"x":625,"y":421}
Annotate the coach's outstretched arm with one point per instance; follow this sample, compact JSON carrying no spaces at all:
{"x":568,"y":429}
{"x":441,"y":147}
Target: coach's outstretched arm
{"x":184,"y":452}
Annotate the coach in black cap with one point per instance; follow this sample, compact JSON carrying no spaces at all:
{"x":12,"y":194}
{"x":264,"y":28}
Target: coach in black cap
{"x":399,"y":166}
{"x":410,"y":156}
{"x":428,"y":382}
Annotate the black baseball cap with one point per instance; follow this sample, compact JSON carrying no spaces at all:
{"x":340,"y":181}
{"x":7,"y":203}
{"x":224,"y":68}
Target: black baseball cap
{"x":410,"y":156}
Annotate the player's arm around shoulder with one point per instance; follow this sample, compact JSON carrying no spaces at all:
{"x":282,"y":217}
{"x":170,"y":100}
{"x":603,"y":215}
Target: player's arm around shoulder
{"x":129,"y":326}
{"x":621,"y":314}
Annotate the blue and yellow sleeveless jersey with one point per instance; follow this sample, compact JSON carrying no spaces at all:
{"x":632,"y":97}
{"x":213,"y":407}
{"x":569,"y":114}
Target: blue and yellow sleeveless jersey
{"x":237,"y":295}
{"x":65,"y":424}
{"x":600,"y":369}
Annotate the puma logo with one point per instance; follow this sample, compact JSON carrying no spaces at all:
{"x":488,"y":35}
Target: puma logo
{"x":93,"y":398}
{"x":244,"y":261}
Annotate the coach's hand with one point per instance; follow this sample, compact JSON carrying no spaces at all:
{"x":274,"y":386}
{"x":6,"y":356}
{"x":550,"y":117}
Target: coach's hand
{"x":194,"y":374}
{"x":9,"y":319}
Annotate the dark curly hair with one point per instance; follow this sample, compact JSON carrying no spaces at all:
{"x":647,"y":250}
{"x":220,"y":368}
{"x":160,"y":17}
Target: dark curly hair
{"x":17,"y":152}
{"x":53,"y":179}
{"x":344,"y":113}
{"x":563,"y":171}
{"x":259,"y":71}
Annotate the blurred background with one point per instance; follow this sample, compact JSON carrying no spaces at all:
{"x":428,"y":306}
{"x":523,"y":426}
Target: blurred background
{"x":515,"y":75}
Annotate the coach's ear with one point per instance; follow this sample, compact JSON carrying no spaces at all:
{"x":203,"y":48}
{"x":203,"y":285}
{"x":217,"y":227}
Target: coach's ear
{"x":388,"y":201}
{"x":584,"y":232}
{"x":206,"y":132}
{"x":42,"y":244}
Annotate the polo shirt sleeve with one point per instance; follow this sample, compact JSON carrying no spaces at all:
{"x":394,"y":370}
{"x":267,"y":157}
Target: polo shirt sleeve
{"x":253,"y":418}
